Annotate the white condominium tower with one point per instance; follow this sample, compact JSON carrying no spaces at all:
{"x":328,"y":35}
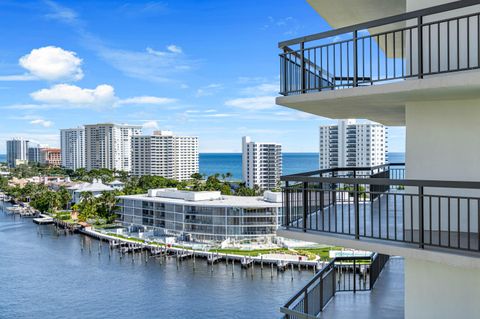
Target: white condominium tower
{"x":17,"y":151}
{"x":72,"y":144}
{"x":352,"y":144}
{"x":261,"y":164}
{"x":109,"y":146}
{"x":164,"y":154}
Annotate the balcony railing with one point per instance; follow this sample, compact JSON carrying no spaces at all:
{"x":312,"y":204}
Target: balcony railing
{"x":379,"y":203}
{"x":430,"y":41}
{"x":342,"y":274}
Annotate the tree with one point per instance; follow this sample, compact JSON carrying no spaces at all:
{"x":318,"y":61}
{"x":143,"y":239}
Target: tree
{"x":87,"y":206}
{"x":65,"y":197}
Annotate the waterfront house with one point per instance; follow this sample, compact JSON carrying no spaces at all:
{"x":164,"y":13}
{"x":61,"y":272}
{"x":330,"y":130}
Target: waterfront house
{"x":202,"y":215}
{"x":411,"y":63}
{"x":96,"y":187}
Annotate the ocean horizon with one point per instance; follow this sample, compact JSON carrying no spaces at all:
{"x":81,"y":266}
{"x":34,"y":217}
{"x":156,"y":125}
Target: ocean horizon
{"x":221,"y":163}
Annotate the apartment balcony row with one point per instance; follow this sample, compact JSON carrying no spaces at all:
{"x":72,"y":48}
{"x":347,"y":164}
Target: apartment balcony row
{"x":337,"y":73}
{"x":377,"y":209}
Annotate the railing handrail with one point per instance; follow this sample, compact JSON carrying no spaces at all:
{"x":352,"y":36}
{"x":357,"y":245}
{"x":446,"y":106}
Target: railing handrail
{"x":325,"y":271}
{"x":380,"y":22}
{"x":344,"y":169}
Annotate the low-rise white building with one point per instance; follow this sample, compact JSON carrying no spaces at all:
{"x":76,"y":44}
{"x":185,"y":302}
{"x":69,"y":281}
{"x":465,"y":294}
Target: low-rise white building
{"x":203,"y":216}
{"x":96,"y":188}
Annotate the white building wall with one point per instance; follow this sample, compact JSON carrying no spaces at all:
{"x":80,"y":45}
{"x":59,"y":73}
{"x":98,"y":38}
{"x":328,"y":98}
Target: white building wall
{"x":166,"y":155}
{"x":261,"y":164}
{"x":435,"y":290}
{"x":109,"y":146}
{"x":72,"y":144}
{"x":352,"y":144}
{"x":17,"y":151}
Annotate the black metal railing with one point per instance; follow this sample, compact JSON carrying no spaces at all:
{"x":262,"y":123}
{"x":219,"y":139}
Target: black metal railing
{"x":430,"y":41}
{"x":342,"y":274}
{"x":379,"y":203}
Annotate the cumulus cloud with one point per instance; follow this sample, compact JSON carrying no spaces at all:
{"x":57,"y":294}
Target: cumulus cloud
{"x":41,"y":122}
{"x":67,"y":95}
{"x":73,"y":95}
{"x":146,"y":100}
{"x":253,"y":103}
{"x":52,"y":64}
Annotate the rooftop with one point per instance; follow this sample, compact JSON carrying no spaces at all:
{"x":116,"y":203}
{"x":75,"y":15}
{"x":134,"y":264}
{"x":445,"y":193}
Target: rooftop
{"x":212,"y":199}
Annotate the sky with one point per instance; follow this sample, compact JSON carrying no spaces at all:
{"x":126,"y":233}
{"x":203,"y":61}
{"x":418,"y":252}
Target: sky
{"x":203,"y":68}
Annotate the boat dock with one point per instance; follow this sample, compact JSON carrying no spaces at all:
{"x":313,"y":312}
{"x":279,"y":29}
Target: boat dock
{"x":281,"y":262}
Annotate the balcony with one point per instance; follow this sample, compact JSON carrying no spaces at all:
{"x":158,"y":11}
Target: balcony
{"x":377,"y":209}
{"x":351,"y":287}
{"x":337,"y":73}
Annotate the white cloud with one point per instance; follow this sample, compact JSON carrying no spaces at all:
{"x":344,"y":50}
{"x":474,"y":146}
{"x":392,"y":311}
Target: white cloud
{"x":41,"y":122}
{"x":150,"y":125}
{"x":17,"y":77}
{"x":102,"y":95}
{"x":261,"y":89}
{"x":253,"y":103}
{"x":52,"y":64}
{"x":209,"y":90}
{"x":175,"y":49}
{"x":146,"y":100}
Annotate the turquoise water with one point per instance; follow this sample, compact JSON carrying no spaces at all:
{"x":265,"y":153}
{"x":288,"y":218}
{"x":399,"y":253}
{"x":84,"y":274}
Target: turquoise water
{"x":211,"y":163}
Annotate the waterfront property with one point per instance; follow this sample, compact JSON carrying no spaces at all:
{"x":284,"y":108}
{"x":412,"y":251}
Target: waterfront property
{"x":96,"y":187}
{"x":261,"y":164}
{"x":17,"y":152}
{"x":417,"y":69}
{"x":203,"y":216}
{"x":109,"y":146}
{"x":352,"y":144}
{"x":72,"y":144}
{"x":165,"y":154}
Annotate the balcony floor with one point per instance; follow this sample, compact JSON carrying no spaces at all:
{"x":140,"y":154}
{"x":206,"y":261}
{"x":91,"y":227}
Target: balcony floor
{"x":386,"y":300}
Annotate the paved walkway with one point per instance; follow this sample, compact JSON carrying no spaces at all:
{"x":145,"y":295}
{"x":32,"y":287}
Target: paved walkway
{"x":385,"y":301}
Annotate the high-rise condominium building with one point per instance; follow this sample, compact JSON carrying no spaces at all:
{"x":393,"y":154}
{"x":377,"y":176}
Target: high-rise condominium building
{"x":72,"y":144}
{"x":352,"y":144}
{"x":261,"y":164}
{"x":164,"y":154}
{"x":34,"y":153}
{"x":17,"y":152}
{"x":50,"y":156}
{"x":109,"y":146}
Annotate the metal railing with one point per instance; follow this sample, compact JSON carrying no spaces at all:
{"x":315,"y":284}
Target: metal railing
{"x":379,"y":203}
{"x":430,"y":41}
{"x":342,"y":274}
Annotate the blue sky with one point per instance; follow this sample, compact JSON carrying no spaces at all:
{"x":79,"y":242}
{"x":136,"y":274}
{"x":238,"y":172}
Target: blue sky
{"x":204,"y":68}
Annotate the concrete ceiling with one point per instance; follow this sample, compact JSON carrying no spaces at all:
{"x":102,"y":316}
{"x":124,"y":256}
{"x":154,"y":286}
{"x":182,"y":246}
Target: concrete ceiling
{"x":385,"y":103}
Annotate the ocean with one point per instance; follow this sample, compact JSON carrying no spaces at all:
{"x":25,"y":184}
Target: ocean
{"x":211,"y":163}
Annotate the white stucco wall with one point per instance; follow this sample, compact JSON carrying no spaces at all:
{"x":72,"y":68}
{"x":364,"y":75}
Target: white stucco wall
{"x":434,"y":290}
{"x":442,"y":144}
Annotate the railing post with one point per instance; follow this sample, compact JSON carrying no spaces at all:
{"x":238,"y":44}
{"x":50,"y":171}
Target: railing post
{"x":357,"y":211}
{"x":285,"y":71}
{"x":420,"y":217}
{"x":305,"y":301}
{"x":302,"y":66}
{"x":355,"y":58}
{"x":305,"y":205}
{"x":286,"y":206}
{"x":420,"y":46}
{"x":354,"y":276}
{"x":321,"y":293}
